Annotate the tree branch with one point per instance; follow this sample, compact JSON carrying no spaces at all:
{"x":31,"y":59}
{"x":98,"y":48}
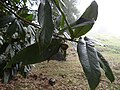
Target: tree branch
{"x":65,"y":38}
{"x":35,"y":25}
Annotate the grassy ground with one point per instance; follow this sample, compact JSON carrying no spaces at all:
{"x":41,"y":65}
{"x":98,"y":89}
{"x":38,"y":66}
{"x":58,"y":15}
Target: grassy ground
{"x":68,"y":75}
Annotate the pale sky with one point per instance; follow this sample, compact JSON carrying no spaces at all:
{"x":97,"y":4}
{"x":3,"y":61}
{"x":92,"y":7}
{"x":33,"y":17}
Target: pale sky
{"x":108,"y":15}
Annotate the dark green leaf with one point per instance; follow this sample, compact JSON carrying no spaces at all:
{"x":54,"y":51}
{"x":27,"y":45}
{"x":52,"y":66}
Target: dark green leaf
{"x":5,"y":20}
{"x":89,"y":60}
{"x":81,"y":26}
{"x":86,"y":21}
{"x":2,"y":65}
{"x":48,"y":26}
{"x":11,"y":29}
{"x":91,"y":12}
{"x":32,"y":54}
{"x":3,"y":48}
{"x":105,"y":66}
{"x":82,"y":30}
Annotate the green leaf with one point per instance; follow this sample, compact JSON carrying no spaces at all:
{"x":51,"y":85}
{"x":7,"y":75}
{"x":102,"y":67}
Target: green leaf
{"x":89,"y":60}
{"x":86,"y":21}
{"x":11,"y":29}
{"x":81,"y":27}
{"x":91,"y":12}
{"x":28,"y":17}
{"x":48,"y":26}
{"x":5,"y":20}
{"x":105,"y":66}
{"x":32,"y":54}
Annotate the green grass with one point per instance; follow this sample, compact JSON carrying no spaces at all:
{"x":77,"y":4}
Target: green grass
{"x":111,"y":50}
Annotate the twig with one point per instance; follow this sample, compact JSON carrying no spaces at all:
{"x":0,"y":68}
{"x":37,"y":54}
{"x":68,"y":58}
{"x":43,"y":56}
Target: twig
{"x":28,"y":22}
{"x":65,"y":38}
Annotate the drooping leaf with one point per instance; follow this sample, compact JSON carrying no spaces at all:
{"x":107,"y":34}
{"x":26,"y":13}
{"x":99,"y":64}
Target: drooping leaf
{"x":48,"y":26}
{"x":5,"y":20}
{"x":105,"y":66}
{"x":89,"y":60}
{"x":32,"y":54}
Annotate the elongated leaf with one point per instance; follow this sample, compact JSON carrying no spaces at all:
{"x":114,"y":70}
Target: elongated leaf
{"x":48,"y":26}
{"x":82,"y":30}
{"x":91,"y":12}
{"x":105,"y":66}
{"x":11,"y":29}
{"x":90,"y":15}
{"x":5,"y":20}
{"x":89,"y":60}
{"x":32,"y":54}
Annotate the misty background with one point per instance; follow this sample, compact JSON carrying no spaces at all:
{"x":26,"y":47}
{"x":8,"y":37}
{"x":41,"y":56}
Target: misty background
{"x":108,"y":16}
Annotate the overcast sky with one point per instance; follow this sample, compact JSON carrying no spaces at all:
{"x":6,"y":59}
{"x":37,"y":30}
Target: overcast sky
{"x":108,"y":17}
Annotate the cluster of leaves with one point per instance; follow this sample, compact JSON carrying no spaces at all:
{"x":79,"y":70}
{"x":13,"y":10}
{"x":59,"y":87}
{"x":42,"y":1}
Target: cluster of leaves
{"x":15,"y":35}
{"x":22,"y":44}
